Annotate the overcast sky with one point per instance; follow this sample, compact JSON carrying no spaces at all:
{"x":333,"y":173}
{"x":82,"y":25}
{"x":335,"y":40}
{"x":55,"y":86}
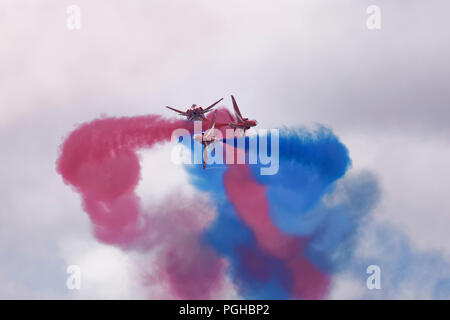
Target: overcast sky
{"x":384,"y":92}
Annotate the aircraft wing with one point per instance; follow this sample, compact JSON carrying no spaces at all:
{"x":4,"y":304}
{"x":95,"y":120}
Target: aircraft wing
{"x":213,"y":121}
{"x":173,"y":109}
{"x":211,"y":106}
{"x":205,"y":156}
{"x":212,"y":125}
{"x":237,"y":112}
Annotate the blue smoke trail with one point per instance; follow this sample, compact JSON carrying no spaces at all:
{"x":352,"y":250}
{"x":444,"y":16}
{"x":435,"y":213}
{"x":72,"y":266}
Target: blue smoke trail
{"x":406,"y":273}
{"x":234,"y":240}
{"x":313,"y":196}
{"x":310,"y":164}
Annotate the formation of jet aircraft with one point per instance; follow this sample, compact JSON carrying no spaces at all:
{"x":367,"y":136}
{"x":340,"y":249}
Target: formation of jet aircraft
{"x":206,"y":138}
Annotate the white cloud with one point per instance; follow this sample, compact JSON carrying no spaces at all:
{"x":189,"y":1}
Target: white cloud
{"x":414,"y":176}
{"x":106,"y":272}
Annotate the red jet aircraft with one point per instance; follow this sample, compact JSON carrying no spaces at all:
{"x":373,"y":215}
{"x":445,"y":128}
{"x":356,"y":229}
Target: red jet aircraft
{"x":241,"y":122}
{"x":206,"y":138}
{"x":195,"y":112}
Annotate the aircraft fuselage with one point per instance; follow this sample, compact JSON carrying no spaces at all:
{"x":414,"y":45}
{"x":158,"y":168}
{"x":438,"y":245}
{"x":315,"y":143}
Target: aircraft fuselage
{"x":195,"y":114}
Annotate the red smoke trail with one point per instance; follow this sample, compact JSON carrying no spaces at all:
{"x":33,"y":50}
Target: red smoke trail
{"x":99,"y":160}
{"x":250,"y":201}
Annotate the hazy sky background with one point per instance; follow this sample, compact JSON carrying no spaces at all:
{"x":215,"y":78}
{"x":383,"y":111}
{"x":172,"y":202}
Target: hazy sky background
{"x":385,"y":93}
